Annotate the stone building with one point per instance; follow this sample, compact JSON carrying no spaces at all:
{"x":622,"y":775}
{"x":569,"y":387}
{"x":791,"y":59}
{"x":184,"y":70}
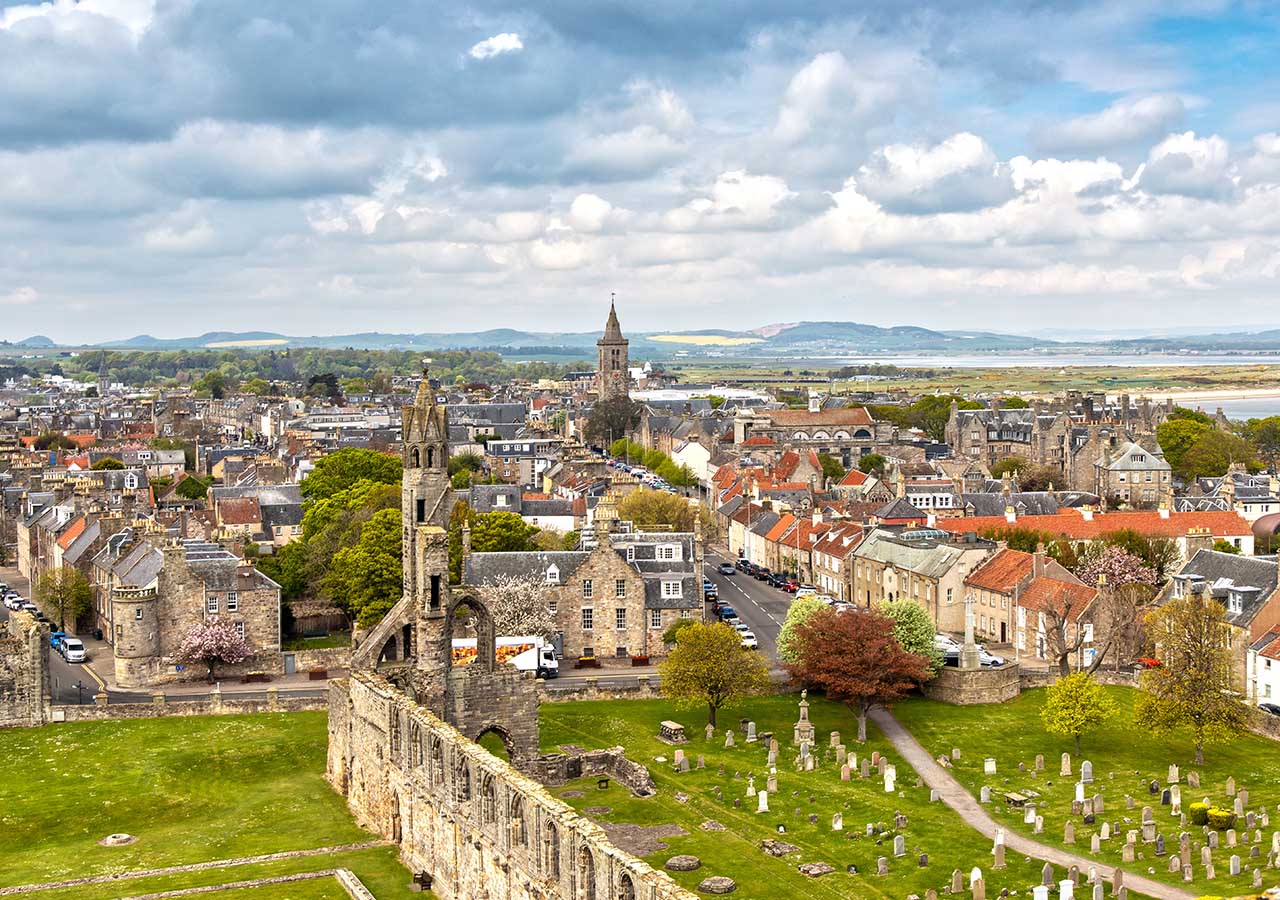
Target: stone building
{"x":24,"y":676}
{"x":615,"y":599}
{"x":612,"y":368}
{"x":150,"y":591}
{"x":1134,"y":474}
{"x":1018,"y":596}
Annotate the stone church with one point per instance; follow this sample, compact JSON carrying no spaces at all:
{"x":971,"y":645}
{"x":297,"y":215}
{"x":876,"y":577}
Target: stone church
{"x":612,"y":373}
{"x":403,"y":727}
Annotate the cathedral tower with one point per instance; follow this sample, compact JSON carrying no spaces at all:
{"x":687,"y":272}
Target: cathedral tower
{"x":612,"y":374}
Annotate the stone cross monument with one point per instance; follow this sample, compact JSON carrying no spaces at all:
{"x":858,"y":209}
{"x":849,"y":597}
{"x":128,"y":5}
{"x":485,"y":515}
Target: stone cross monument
{"x":969,"y":658}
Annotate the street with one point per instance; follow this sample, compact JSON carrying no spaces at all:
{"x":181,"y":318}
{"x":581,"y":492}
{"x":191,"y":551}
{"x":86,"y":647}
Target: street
{"x":761,"y":607}
{"x":63,"y":676}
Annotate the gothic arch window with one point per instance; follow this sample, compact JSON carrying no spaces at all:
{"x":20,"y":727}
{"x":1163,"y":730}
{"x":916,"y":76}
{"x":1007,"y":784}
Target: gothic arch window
{"x":414,"y":459}
{"x":586,"y":874}
{"x":431,"y":457}
{"x":488,"y":801}
{"x":437,"y":763}
{"x":626,"y":888}
{"x":416,"y":755}
{"x":461,"y":781}
{"x":519,"y":835}
{"x":552,"y":848}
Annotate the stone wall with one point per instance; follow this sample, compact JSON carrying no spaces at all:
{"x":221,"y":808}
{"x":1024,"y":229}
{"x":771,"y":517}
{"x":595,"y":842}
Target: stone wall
{"x":161,"y":707}
{"x":561,"y":768}
{"x":327,"y":658}
{"x":24,"y":672}
{"x":968,"y":687}
{"x":467,"y":819}
{"x":1038,"y":678}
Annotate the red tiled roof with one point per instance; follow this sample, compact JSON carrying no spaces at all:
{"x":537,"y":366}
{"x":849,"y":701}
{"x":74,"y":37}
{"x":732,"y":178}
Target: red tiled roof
{"x":853,"y":478}
{"x":1049,"y":593}
{"x":1002,"y":572}
{"x":786,"y":464}
{"x":781,"y":528}
{"x":74,"y":530}
{"x":1070,"y":523}
{"x":759,"y":440}
{"x":1272,"y":650}
{"x":239,"y":511}
{"x":534,"y":495}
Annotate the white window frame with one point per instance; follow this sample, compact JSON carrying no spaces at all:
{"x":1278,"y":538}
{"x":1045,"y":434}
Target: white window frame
{"x":672,"y":590}
{"x":240,"y":629}
{"x":588,"y":589}
{"x":211,"y":605}
{"x":620,"y":618}
{"x":233,"y":601}
{"x":620,"y":588}
{"x":588,"y":618}
{"x":655,"y":618}
{"x":669,"y":553}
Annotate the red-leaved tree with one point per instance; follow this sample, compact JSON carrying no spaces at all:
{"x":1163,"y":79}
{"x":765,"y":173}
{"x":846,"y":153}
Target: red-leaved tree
{"x":211,"y":642}
{"x":856,"y":660}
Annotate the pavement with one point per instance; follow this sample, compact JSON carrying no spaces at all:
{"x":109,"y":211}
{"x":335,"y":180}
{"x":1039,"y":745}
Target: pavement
{"x":954,"y":795}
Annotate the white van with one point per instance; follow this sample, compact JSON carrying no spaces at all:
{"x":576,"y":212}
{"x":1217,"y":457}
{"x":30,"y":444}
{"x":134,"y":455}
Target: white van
{"x":72,"y":650}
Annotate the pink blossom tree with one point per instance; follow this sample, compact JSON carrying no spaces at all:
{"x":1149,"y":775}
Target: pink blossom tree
{"x":1120,"y":568}
{"x":211,"y":642}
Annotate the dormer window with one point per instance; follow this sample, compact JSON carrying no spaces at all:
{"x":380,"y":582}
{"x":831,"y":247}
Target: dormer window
{"x":669,"y":552}
{"x":500,"y":500}
{"x":1235,"y":603}
{"x":553,"y":575}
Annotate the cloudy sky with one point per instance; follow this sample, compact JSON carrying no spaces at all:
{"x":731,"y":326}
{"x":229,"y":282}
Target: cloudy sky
{"x":332,"y":166}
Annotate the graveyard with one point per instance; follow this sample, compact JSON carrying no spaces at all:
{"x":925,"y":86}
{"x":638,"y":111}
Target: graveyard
{"x":181,"y":792}
{"x":1125,"y":799}
{"x":708,"y":808}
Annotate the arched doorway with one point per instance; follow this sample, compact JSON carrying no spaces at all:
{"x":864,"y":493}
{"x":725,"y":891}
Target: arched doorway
{"x":586,"y":875}
{"x":626,"y":888}
{"x":469,"y":636}
{"x":497,"y":741}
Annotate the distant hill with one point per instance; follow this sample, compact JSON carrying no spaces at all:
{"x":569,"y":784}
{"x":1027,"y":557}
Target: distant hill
{"x":36,"y":342}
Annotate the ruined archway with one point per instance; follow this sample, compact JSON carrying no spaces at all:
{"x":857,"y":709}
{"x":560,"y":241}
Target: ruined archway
{"x":468,"y":629}
{"x":497,"y":741}
{"x":586,"y":875}
{"x":626,"y":888}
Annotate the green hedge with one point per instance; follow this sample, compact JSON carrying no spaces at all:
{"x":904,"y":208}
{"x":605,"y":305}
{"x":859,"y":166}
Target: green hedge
{"x":1199,"y":813}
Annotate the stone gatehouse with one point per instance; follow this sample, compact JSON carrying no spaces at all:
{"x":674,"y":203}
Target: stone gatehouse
{"x":467,"y":819}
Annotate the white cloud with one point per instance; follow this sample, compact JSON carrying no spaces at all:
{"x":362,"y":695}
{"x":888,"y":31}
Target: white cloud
{"x":589,"y":212}
{"x":736,"y":199}
{"x":563,"y":254}
{"x":635,"y":153}
{"x":507,"y":42}
{"x":1191,"y":166}
{"x":136,"y":15}
{"x":960,"y":173}
{"x":1123,"y":123}
{"x":20,"y":296}
{"x":831,"y":94}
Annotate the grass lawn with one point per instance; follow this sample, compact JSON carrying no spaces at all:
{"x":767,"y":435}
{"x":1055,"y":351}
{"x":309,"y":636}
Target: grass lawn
{"x":330,"y":641}
{"x":1124,"y":762}
{"x":931,"y":828}
{"x":190,"y":789}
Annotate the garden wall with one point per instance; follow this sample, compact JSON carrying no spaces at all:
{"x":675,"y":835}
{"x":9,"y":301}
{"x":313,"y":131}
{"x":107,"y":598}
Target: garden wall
{"x":160,"y":707}
{"x":969,"y":687}
{"x":1038,"y":678}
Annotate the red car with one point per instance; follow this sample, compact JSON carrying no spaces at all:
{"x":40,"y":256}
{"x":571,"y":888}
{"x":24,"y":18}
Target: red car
{"x":1147,"y":662}
{"x":791,"y":586}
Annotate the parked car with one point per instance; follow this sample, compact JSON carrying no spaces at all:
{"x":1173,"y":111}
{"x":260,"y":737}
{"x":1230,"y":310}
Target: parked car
{"x":778,"y":581}
{"x":1270,"y":708}
{"x":791,"y":586}
{"x":805,"y":590}
{"x":749,"y":641}
{"x":28,"y":606}
{"x":741,"y":564}
{"x":709,"y":590}
{"x":13,"y":601}
{"x":72,"y":650}
{"x":728,"y":612}
{"x":989,"y":660}
{"x":761,"y":573}
{"x":946,"y":643}
{"x":726,"y":568}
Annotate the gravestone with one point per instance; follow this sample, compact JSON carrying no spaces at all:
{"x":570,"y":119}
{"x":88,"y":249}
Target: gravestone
{"x":865,"y":771}
{"x":1153,"y":787}
{"x":771,"y":784}
{"x":671,"y":732}
{"x":888,"y":782}
{"x":1095,"y":845}
{"x":1231,"y":786}
{"x":1099,"y":893}
{"x":1212,"y":838}
{"x":984,"y":796}
{"x":710,"y":731}
{"x":1038,"y":828}
{"x":1117,"y":881}
{"x":1066,"y":889}
{"x":1079,"y":791}
{"x":1160,"y":850}
{"x":1068,"y":833}
{"x":977,"y":885}
{"x":844,"y":773}
{"x":763,"y":802}
{"x":957,"y":882}
{"x":813,"y":818}
{"x":1209,"y":872}
{"x":1065,"y":769}
{"x":835,"y":739}
{"x":933,"y":796}
{"x":1046,"y":874}
{"x":1148,"y":815}
{"x":989,"y":766}
{"x":751,"y":785}
{"x":875,"y":758}
{"x":1039,"y":892}
{"x":1238,"y":806}
{"x":1086,"y":772}
{"x":1257,"y":878}
{"x":751,"y":732}
{"x":808,"y":763}
{"x":1128,"y":802}
{"x":1243,"y":794}
{"x":728,"y":739}
{"x":702,"y":761}
{"x":923,"y":861}
{"x":840,"y":754}
{"x":1165,"y":797}
{"x":1097,"y":803}
{"x":1193,"y":779}
{"x":1231,"y":837}
{"x":899,"y":846}
{"x":1187,"y":873}
{"x":1233,"y":866}
{"x":1028,"y":814}
{"x":997,"y":853}
{"x":837,"y":822}
{"x":1039,"y":762}
{"x":955,"y":752}
{"x":772,"y":759}
{"x":1206,"y":856}
{"x":1175,"y":865}
{"x":1105,"y":833}
{"x":684,"y":764}
{"x":1127,"y":853}
{"x":882,"y":866}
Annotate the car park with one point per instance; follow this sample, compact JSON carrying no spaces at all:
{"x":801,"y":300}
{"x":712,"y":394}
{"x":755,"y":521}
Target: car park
{"x":726,"y":568}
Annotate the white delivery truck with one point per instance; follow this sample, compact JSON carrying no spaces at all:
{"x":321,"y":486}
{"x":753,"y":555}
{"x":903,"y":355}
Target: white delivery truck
{"x":526,"y":653}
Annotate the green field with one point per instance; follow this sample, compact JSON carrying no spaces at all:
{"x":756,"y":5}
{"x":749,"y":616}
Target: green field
{"x":191,"y":790}
{"x":1124,"y":761}
{"x":931,"y":828}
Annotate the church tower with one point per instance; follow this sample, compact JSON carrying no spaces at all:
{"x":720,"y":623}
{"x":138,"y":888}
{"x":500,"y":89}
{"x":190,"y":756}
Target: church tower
{"x":104,"y":380}
{"x":425,"y":492}
{"x":612,"y":373}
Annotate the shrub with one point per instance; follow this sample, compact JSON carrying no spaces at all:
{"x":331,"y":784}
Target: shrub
{"x":1199,"y":813}
{"x":1221,"y":819}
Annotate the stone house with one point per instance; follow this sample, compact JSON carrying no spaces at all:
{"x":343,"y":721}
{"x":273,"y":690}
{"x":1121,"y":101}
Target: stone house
{"x":1015,"y":596}
{"x":1246,"y":588}
{"x":926,"y":565}
{"x":1134,"y":474}
{"x":150,"y":591}
{"x":615,"y":599}
{"x":832,"y":557}
{"x":1262,"y":676}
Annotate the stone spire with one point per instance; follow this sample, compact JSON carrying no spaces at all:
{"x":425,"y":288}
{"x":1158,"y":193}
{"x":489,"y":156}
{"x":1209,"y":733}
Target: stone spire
{"x":425,"y":397}
{"x":612,"y":330}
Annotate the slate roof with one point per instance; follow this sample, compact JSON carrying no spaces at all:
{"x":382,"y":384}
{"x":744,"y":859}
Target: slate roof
{"x":899,"y":509}
{"x":282,"y":515}
{"x":928,"y":560}
{"x":1025,"y":503}
{"x":78,"y":547}
{"x":267,"y":495}
{"x":1253,"y":578}
{"x":483,"y":568}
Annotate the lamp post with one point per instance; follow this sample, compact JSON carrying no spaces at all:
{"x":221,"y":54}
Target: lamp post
{"x":79,"y":686}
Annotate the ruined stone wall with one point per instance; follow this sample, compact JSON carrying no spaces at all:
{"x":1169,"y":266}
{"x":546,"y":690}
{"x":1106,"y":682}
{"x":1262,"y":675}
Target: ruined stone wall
{"x":161,"y":707}
{"x":965,"y":688}
{"x":464,"y":817}
{"x":24,"y":672}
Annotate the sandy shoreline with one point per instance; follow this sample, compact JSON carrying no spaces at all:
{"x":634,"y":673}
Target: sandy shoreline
{"x":1210,"y":395}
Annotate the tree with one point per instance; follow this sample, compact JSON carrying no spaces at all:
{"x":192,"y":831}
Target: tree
{"x":914,"y":630}
{"x":709,"y":665}
{"x":1161,"y":555}
{"x":1177,"y":436}
{"x":1116,"y":566}
{"x":469,"y":462}
{"x":53,"y":440}
{"x":612,"y":419}
{"x":213,"y":383}
{"x":931,"y":414}
{"x":1013,"y":403}
{"x":107,"y":463}
{"x":648,"y":509}
{"x":801,"y":610}
{"x":1213,"y":453}
{"x":1074,"y":705}
{"x":1195,"y":685}
{"x":1264,"y":434}
{"x":259,"y":387}
{"x":1040,"y":478}
{"x":287,"y":568}
{"x":367,"y":579}
{"x":211,"y":642}
{"x":856,"y":659}
{"x":672,"y":634}
{"x":1225,"y":546}
{"x":64,"y":592}
{"x":1010,"y":465}
{"x":192,"y":487}
{"x":338,"y":471}
{"x":831,"y":468}
{"x":871,"y":463}
{"x":502,"y":532}
{"x":520,"y":605}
